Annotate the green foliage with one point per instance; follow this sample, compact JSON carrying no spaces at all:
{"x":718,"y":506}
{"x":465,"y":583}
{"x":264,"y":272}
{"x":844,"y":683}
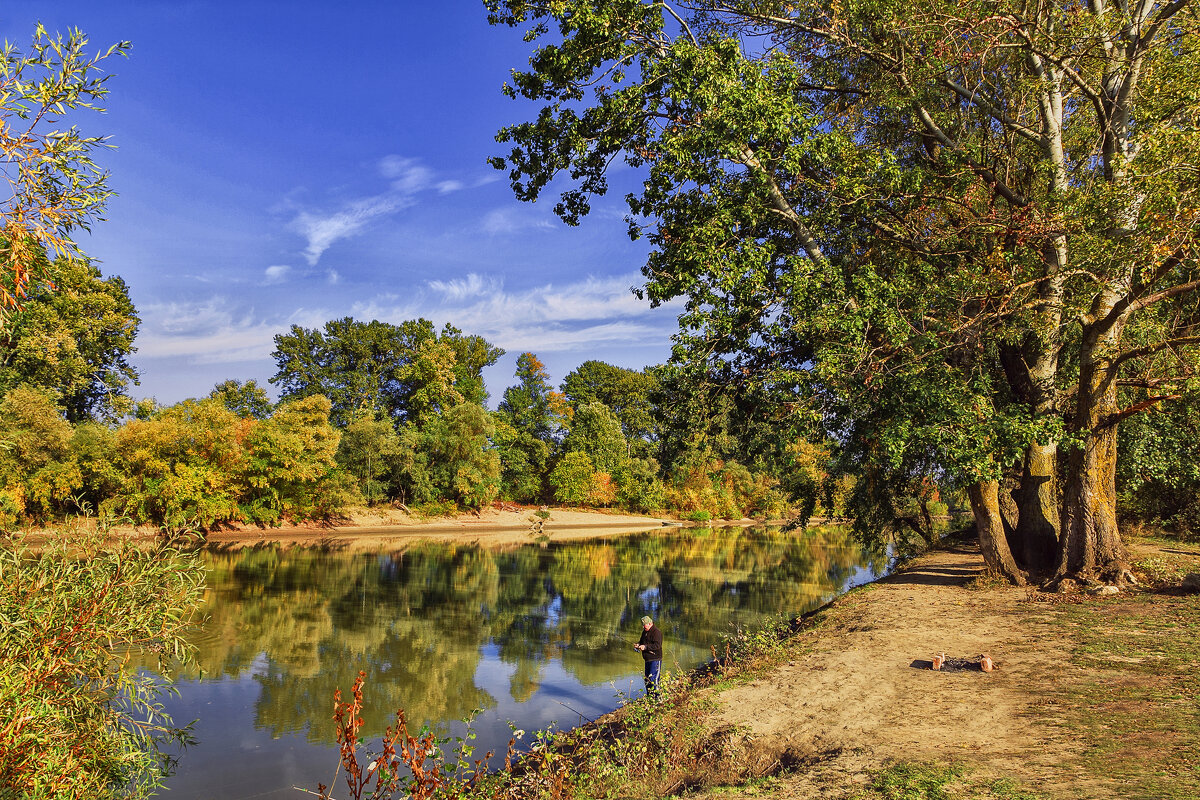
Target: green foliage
{"x":72,"y":335}
{"x":523,"y":462}
{"x":627,"y":393}
{"x":246,"y":399}
{"x":400,"y":372}
{"x":573,"y":479}
{"x":367,"y":449}
{"x":1158,"y":476}
{"x":80,"y":718}
{"x":55,"y":188}
{"x":450,"y":458}
{"x":925,"y":246}
{"x":531,"y":406}
{"x":638,"y":486}
{"x":596,"y":431}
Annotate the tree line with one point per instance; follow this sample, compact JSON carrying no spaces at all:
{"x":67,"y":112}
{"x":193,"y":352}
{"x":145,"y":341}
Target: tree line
{"x":368,"y":413}
{"x":375,"y":413}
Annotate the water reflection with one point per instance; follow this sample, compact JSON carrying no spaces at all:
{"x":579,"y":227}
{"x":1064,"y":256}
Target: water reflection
{"x":442,"y":631}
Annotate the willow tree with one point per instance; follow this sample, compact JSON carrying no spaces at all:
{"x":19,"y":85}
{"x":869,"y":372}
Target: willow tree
{"x":55,"y":185}
{"x":949,"y":230}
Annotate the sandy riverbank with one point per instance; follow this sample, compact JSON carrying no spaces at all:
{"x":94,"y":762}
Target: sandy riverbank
{"x":494,"y":527}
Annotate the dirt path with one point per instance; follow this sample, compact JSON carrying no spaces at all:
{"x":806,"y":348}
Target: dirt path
{"x":855,"y":701}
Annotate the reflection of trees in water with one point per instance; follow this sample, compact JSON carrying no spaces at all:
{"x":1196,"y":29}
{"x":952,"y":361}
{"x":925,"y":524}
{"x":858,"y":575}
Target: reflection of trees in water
{"x":416,"y":621}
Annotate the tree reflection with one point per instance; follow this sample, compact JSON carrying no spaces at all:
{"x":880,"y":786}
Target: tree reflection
{"x":304,"y":622}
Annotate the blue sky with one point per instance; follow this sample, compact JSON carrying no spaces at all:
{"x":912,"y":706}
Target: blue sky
{"x":285,"y":163}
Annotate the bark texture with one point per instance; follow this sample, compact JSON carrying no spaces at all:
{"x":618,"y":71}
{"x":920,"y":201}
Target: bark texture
{"x":985,"y":504}
{"x":1091,"y":544}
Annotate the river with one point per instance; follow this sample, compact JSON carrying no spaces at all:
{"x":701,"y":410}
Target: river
{"x":526,"y":637}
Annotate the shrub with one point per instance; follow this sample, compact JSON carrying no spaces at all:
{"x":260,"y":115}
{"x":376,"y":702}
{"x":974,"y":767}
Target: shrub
{"x":82,"y":622}
{"x":572,"y":479}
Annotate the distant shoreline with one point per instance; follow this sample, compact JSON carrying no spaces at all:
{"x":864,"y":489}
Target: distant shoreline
{"x":371,"y":529}
{"x":374,"y":529}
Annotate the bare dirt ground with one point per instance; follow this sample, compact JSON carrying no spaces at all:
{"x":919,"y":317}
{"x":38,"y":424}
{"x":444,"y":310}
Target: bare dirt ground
{"x":855,"y":701}
{"x":491,"y":527}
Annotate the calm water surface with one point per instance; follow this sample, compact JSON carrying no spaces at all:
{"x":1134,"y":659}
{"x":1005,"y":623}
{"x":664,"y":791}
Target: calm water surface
{"x":533,"y":636}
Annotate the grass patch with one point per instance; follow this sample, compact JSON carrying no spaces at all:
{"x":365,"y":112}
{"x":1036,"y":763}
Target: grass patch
{"x":1136,"y":705}
{"x":939,"y":781}
{"x":1133,"y":695}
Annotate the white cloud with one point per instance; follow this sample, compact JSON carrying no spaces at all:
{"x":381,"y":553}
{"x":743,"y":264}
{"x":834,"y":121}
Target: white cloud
{"x":276,"y":274}
{"x":212,"y":332}
{"x":511,"y":220}
{"x":591,"y":313}
{"x":472,"y":286}
{"x":406,"y":177}
{"x":323,"y":230}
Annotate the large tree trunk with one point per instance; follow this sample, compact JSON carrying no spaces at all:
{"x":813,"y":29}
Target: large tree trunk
{"x":1038,"y":509}
{"x":1091,"y":544}
{"x":985,"y":504}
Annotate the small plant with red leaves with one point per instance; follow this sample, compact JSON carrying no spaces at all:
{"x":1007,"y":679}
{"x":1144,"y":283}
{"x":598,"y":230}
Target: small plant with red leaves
{"x":421,"y":756}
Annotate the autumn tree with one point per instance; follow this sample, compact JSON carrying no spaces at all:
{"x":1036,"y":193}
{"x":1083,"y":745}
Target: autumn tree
{"x":55,"y":186}
{"x":953,"y":231}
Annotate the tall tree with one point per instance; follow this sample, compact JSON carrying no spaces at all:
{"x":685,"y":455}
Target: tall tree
{"x":596,"y":431}
{"x":246,"y":399}
{"x":532,"y":405}
{"x":629,"y":393}
{"x":978,"y":217}
{"x":73,"y":336}
{"x":398,"y":371}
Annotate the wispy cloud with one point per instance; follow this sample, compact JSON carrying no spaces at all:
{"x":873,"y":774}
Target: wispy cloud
{"x":407,"y":175}
{"x":276,"y":274}
{"x":212,"y":332}
{"x":322,"y":230}
{"x":590,"y":313}
{"x":503,"y":221}
{"x":461,"y":289}
{"x":406,"y":179}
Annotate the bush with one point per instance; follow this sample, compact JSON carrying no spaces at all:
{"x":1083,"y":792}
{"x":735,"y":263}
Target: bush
{"x":82,"y":621}
{"x":572,"y":479}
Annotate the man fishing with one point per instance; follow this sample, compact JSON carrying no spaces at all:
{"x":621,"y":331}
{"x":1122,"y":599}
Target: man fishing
{"x":651,"y":645}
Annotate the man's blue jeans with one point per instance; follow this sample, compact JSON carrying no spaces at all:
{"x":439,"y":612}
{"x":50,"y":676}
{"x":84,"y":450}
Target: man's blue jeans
{"x":652,"y":671}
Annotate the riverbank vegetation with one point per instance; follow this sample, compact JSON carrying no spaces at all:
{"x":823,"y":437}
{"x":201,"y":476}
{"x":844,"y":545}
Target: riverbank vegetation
{"x":79,"y":620}
{"x":1095,"y":689}
{"x":933,"y":256}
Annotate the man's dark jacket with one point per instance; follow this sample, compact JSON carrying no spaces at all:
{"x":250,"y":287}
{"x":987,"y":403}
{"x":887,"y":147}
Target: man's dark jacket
{"x":652,"y":638}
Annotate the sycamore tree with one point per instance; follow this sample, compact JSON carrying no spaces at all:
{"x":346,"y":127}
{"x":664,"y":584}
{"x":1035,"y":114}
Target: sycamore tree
{"x":956,"y":233}
{"x":55,"y":186}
